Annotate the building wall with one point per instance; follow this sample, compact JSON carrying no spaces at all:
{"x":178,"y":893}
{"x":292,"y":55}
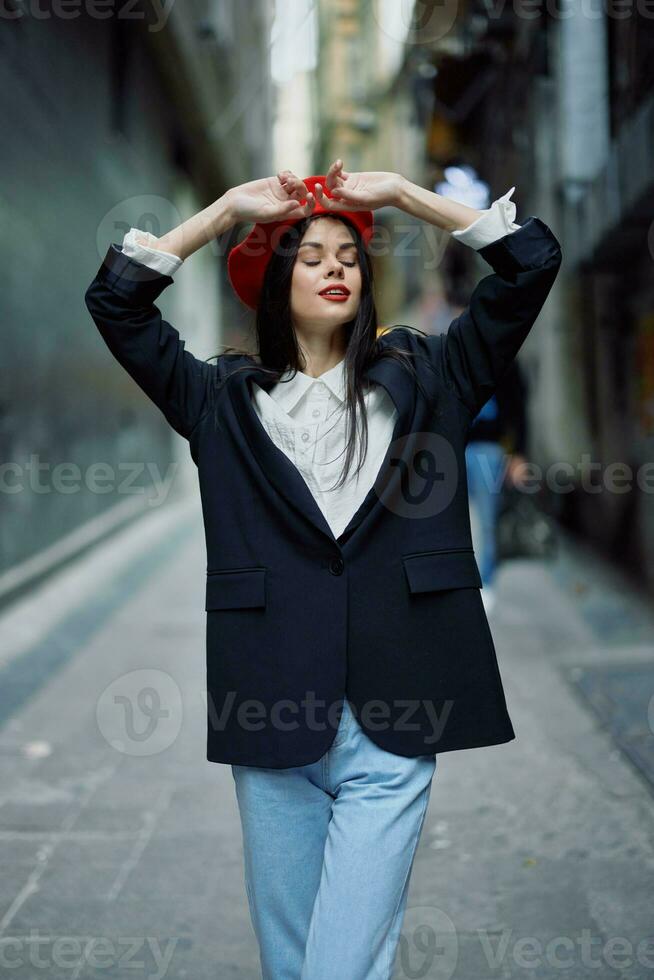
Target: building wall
{"x":93,"y":142}
{"x":562,"y":107}
{"x":366,"y":117}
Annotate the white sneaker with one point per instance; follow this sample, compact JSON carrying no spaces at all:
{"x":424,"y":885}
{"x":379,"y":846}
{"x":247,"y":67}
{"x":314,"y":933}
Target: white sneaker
{"x":489,"y":597}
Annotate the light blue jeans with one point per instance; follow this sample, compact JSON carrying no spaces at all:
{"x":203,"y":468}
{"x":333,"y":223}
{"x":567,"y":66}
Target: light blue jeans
{"x":328,"y":851}
{"x":484,"y":464}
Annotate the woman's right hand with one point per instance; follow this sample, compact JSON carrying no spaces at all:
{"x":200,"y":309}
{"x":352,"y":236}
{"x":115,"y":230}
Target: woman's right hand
{"x":270,"y":199}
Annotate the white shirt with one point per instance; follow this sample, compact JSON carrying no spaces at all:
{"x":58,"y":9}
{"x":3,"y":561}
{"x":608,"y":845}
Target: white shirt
{"x":305,"y":417}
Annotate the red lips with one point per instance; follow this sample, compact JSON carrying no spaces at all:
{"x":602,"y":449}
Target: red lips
{"x":343,"y":290}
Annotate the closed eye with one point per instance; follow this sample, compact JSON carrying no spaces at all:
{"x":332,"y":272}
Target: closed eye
{"x":350,"y":264}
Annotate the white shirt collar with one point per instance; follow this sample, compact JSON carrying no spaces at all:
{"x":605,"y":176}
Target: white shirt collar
{"x":287,"y":393}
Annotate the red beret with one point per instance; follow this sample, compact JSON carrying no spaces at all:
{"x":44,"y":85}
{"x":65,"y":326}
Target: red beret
{"x":247,"y":262}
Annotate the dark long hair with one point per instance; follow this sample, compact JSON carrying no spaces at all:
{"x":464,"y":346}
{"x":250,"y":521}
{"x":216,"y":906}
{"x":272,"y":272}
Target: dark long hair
{"x":278,"y":349}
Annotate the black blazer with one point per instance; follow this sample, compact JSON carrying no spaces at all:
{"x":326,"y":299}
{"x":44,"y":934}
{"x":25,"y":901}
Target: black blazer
{"x":388,"y":614}
{"x":507,"y":420}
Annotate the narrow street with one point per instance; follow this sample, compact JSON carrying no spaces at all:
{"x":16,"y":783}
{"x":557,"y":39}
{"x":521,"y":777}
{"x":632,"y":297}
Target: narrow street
{"x":288,"y":179}
{"x":121,"y":843}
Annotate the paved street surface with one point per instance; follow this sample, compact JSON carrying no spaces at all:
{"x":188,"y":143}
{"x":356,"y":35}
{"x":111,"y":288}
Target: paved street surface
{"x":121,"y":849}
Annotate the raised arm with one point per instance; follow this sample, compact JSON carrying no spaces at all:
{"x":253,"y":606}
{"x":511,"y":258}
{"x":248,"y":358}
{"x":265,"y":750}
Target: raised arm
{"x":480,"y":343}
{"x":121,"y":299}
{"x":484,"y":339}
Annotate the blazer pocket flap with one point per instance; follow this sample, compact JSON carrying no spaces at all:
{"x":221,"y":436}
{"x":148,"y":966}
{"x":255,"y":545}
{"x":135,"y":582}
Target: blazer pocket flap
{"x":236,"y":588}
{"x":435,"y":570}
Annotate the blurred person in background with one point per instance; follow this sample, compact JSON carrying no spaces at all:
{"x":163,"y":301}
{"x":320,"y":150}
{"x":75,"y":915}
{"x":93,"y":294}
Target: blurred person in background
{"x":331,"y":818}
{"x":496,"y":447}
{"x":497,"y":441}
{"x":495,"y":456}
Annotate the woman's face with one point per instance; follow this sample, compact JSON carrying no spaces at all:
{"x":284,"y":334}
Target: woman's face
{"x":327,"y":257}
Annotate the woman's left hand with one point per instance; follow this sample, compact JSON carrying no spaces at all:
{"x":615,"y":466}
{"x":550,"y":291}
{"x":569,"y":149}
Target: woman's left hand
{"x":358,"y":191}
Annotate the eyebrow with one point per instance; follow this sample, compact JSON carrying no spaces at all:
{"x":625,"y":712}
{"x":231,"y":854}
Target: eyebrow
{"x":319,"y":245}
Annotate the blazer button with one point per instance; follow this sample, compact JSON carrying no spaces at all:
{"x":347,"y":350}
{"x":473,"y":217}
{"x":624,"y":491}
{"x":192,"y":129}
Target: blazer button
{"x":336,"y":566}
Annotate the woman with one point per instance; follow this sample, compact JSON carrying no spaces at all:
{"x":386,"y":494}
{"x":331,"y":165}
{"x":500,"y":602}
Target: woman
{"x":363,"y":590}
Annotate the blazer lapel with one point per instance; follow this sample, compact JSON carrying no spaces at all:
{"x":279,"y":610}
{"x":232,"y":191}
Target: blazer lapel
{"x":285,"y":476}
{"x":401,"y":390}
{"x":277,"y":467}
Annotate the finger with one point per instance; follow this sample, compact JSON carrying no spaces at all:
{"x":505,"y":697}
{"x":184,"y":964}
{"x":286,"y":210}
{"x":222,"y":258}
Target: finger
{"x":292,"y":183}
{"x":322,"y":197}
{"x":333,"y":174}
{"x":297,"y":214}
{"x":344,"y":200}
{"x":308,"y":207}
{"x":298,"y":188}
{"x":330,"y":203}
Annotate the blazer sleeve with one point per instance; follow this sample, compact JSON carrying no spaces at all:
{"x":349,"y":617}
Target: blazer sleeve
{"x":121,"y":301}
{"x":483,"y":340}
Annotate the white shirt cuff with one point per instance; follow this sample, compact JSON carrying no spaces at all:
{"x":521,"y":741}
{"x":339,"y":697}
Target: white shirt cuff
{"x":164,"y":262}
{"x":493,"y":223}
